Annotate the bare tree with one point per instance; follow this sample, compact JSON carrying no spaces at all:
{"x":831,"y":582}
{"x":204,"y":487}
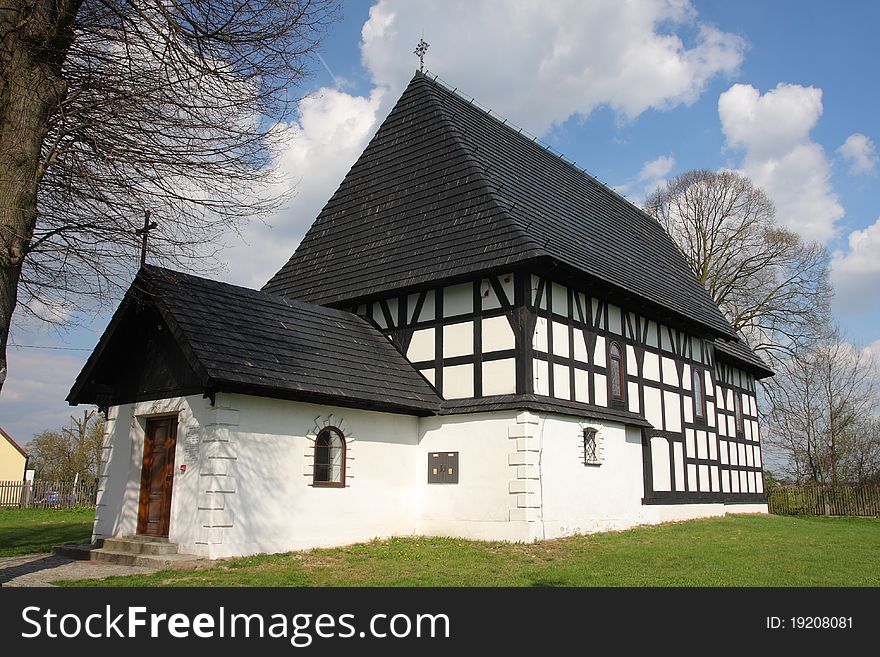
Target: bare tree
{"x":771,"y":285}
{"x":74,"y":450}
{"x":822,"y":415}
{"x":110,"y":108}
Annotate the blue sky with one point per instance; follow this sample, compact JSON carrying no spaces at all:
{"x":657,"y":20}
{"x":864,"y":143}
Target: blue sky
{"x":634,"y":92}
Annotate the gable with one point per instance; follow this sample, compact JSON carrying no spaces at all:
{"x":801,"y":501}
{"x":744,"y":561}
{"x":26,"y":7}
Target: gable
{"x":6,"y":439}
{"x":180,"y":334}
{"x":444,"y":190}
{"x":141,"y":361}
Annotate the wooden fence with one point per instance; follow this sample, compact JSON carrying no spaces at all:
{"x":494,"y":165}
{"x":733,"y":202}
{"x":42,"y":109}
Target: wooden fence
{"x":815,"y":500}
{"x":47,"y":494}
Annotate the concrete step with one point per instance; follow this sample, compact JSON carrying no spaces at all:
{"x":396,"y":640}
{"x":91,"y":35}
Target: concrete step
{"x":136,"y":545}
{"x":81,"y":552}
{"x":149,"y":560}
{"x":130,"y":551}
{"x":148,"y":539}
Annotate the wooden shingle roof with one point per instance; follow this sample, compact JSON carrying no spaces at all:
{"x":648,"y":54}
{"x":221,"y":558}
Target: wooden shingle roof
{"x":237,"y":339}
{"x":445,"y":190}
{"x":740,"y":354}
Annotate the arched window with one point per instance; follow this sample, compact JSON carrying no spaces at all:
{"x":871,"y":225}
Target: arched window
{"x":329,"y":458}
{"x":738,"y":411}
{"x":699,"y":396}
{"x":615,"y":372}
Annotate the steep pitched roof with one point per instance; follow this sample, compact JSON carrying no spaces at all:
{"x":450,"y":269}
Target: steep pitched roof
{"x":444,"y":190}
{"x":21,"y":450}
{"x":741,"y":354}
{"x":241,"y":340}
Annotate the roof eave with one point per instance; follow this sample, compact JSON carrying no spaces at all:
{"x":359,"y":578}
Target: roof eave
{"x":420,"y":409}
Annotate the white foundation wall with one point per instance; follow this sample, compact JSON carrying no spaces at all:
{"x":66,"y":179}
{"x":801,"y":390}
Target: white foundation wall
{"x":248,"y":487}
{"x":276,"y":508}
{"x":578,"y":498}
{"x":483,"y":504}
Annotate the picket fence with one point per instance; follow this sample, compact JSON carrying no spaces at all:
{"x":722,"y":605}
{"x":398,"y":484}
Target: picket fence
{"x":817,"y":500}
{"x":47,"y":494}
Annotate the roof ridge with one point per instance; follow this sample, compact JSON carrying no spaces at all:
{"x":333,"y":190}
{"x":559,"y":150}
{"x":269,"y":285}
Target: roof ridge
{"x":271,"y":296}
{"x":473,"y":164}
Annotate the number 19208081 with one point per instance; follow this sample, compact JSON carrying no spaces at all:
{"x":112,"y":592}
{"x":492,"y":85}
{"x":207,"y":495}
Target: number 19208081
{"x":810,"y":623}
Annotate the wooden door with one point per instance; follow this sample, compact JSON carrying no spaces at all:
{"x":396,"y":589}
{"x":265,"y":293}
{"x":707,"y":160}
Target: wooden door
{"x":157,"y":476}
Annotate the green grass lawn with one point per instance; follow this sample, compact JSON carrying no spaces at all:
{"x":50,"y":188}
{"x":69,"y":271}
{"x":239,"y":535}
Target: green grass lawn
{"x":26,"y":531}
{"x":730,"y":551}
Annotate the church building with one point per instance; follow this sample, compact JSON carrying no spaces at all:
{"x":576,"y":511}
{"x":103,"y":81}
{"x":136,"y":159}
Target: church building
{"x":475,"y":338}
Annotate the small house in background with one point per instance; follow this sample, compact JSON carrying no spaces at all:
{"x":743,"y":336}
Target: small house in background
{"x":475,"y":338}
{"x":13,"y":458}
{"x":13,"y":463}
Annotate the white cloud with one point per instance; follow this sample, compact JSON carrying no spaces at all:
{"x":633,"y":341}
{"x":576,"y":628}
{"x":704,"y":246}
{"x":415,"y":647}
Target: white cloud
{"x":657,"y":168}
{"x":872,"y":351}
{"x":535,"y":64}
{"x":856,"y":272}
{"x":47,"y":310}
{"x":34,"y":392}
{"x":651,"y":176}
{"x":770,"y":124}
{"x":774,"y":131}
{"x":540,"y":63}
{"x":859,"y":152}
{"x":864,"y":251}
{"x":333,"y":129}
{"x":871,"y":356}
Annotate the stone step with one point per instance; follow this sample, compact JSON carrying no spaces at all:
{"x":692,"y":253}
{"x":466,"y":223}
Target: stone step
{"x":74,"y":551}
{"x":147,"y":539}
{"x":149,"y":560}
{"x":91,"y":552}
{"x":136,"y":545}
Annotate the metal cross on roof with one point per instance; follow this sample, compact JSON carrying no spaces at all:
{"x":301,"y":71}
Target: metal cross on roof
{"x":144,"y":233}
{"x":420,"y":50}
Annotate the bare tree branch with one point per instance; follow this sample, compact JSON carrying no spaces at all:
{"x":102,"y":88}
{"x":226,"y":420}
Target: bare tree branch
{"x":112,"y":107}
{"x":822,"y":416}
{"x":772,"y":286}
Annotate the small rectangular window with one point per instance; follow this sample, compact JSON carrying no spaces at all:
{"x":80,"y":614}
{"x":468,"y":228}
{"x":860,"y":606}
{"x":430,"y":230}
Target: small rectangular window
{"x":738,"y":412}
{"x":699,"y":396}
{"x":443,"y":468}
{"x":616,"y":377}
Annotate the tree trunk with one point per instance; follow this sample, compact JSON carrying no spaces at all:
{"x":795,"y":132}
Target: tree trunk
{"x":36,"y":36}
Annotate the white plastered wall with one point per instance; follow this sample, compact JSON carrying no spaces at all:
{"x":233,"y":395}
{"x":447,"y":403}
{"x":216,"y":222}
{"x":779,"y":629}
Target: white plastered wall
{"x":119,"y":479}
{"x":249,"y":490}
{"x":483,"y":504}
{"x":521,"y":477}
{"x":579,"y":498}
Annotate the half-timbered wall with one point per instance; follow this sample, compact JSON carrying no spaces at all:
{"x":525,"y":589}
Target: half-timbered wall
{"x":522,"y":333}
{"x":461,"y":338}
{"x":739,"y":446}
{"x":693,"y":453}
